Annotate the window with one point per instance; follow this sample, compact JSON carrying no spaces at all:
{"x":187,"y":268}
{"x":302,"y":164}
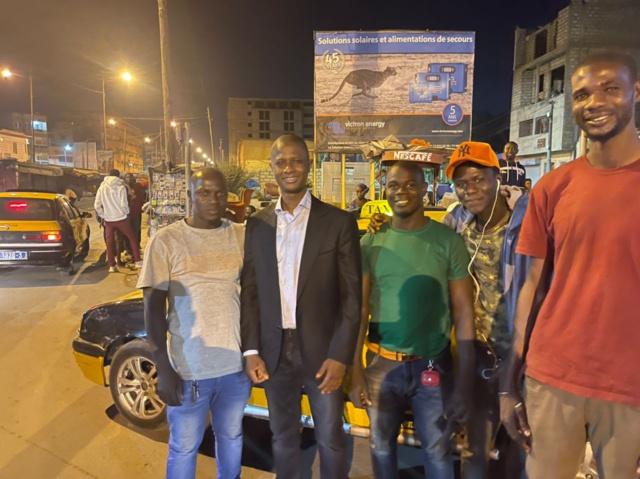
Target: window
{"x":308,"y":103}
{"x":289,"y":115}
{"x":259,"y":104}
{"x":264,"y":126}
{"x":40,"y":125}
{"x":283,"y":104}
{"x":557,"y":80}
{"x":15,"y":148}
{"x":264,"y":135}
{"x":288,"y":126}
{"x":66,"y":207}
{"x":248,"y":113}
{"x":271,"y":104}
{"x":526,"y":128}
{"x":542,"y":125}
{"x":295,"y":104}
{"x":263,"y":115}
{"x":541,"y":44}
{"x":542,"y":92}
{"x":17,"y":125}
{"x":249,"y":103}
{"x":26,"y":148}
{"x":249,"y":125}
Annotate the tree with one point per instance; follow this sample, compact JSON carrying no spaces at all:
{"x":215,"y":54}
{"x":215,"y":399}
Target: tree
{"x":236,"y":177}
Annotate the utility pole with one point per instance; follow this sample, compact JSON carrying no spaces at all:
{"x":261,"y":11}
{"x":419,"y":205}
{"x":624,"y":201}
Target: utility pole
{"x":125,"y":164}
{"x":186,"y":148}
{"x":104,"y":115}
{"x":549,"y":138}
{"x":221,"y":152}
{"x":213,"y":149}
{"x":166,"y":82}
{"x":33,"y":133}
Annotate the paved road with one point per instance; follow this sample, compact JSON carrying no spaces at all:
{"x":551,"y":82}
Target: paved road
{"x":54,"y":423}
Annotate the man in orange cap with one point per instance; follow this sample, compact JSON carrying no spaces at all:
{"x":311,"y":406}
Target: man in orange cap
{"x":490,"y":230}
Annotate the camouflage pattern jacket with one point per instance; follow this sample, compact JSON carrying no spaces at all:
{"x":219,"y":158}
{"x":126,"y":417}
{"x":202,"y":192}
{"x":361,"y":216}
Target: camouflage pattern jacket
{"x":514,"y":266}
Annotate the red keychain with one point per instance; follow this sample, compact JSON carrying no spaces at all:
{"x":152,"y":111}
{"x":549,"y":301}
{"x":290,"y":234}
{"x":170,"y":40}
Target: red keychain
{"x":430,"y":377}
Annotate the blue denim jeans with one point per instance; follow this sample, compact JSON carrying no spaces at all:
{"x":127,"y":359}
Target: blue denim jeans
{"x":394,"y":387}
{"x":226,"y":398}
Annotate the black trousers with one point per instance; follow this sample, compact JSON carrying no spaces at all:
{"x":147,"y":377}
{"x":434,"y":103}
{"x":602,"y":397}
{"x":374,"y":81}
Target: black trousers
{"x":284,"y":393}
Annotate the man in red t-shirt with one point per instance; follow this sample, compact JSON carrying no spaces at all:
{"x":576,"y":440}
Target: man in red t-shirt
{"x":583,"y":350}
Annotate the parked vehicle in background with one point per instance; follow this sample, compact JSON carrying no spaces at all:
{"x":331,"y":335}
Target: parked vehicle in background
{"x":41,"y":229}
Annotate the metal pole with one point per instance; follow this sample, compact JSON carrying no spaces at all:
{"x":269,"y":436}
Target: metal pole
{"x":166,"y":82}
{"x":125,"y":164}
{"x":33,"y":133}
{"x":314,"y":163}
{"x":186,"y":147}
{"x":343,"y":182}
{"x":549,"y":140}
{"x":213,"y":150}
{"x":104,"y":115}
{"x":221,"y":151}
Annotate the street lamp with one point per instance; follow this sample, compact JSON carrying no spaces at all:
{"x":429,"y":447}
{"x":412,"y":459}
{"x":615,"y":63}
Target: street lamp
{"x":66,"y":148}
{"x":147,"y":140}
{"x":6,"y":73}
{"x":174,"y":124}
{"x":199,"y":150}
{"x":112,"y":121}
{"x":126,"y":76}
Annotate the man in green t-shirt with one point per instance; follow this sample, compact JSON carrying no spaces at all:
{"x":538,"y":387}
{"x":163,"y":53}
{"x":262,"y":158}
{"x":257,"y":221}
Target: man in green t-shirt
{"x":415,"y":282}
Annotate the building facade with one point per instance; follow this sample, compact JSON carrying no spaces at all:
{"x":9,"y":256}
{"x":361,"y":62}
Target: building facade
{"x":124,"y":140}
{"x":14,"y":144}
{"x":21,"y":122}
{"x":266,"y":119}
{"x":544,"y":60}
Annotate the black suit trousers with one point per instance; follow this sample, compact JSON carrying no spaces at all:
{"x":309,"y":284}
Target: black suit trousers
{"x":284,"y":393}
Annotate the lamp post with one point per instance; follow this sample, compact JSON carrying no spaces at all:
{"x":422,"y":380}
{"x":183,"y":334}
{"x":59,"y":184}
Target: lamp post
{"x":6,"y":73}
{"x":126,"y":76}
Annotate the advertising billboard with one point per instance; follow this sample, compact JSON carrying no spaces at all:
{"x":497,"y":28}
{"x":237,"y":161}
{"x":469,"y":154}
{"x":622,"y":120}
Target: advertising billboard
{"x":413,"y":85}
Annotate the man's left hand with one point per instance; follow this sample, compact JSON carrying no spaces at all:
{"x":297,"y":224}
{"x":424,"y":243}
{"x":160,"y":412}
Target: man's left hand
{"x":459,"y":406}
{"x":333,"y":372}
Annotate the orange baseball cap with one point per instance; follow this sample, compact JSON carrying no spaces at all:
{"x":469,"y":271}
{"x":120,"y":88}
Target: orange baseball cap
{"x":475,"y":151}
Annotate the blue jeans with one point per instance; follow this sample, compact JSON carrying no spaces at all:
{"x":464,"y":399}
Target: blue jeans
{"x":393,"y":387}
{"x":226,"y":398}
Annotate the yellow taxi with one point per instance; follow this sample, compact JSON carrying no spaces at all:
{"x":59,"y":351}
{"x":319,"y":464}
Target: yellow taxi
{"x":41,"y":229}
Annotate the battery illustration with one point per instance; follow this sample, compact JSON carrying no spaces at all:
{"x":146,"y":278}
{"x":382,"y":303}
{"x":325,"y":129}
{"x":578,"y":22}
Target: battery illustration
{"x":429,"y":87}
{"x":457,"y":74}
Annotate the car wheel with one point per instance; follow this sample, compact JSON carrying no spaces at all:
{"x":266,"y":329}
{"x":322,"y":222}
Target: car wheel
{"x":133,"y":380}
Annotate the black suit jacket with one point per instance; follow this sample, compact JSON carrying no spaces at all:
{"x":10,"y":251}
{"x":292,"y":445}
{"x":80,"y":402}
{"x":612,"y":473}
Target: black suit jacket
{"x":329,"y":296}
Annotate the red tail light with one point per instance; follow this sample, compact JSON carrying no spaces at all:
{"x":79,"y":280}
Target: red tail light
{"x":51,"y":236}
{"x":17,"y":206}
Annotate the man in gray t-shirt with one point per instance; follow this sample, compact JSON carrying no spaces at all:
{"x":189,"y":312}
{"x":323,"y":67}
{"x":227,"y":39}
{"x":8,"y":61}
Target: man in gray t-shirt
{"x":193,"y":267}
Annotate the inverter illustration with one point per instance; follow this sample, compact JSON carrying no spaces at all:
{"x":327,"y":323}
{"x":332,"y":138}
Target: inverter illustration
{"x":429,"y":87}
{"x":457,"y":74}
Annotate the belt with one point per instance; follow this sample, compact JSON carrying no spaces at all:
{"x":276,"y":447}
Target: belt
{"x":392,"y":355}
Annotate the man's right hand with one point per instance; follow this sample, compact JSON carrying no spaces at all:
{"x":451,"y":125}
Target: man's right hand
{"x":169,"y":387}
{"x":256,"y":369}
{"x":513,"y":415}
{"x":358,"y":391}
{"x":376,"y":222}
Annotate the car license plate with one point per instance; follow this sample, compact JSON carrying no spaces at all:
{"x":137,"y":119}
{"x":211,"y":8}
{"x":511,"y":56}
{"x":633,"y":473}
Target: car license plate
{"x":12,"y":255}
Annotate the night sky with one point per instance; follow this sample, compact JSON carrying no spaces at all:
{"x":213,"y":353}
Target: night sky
{"x":222,"y":49}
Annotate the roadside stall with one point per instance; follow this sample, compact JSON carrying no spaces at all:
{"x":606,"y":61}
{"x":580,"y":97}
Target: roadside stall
{"x":167,"y":196}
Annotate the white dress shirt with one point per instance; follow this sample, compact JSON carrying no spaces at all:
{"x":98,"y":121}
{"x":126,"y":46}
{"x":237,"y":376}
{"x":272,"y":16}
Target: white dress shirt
{"x":291,"y":231}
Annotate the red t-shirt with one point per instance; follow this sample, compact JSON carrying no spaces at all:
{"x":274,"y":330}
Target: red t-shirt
{"x":587,"y":336}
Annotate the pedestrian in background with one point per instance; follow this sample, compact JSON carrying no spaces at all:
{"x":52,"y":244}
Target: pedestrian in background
{"x":112,"y":205}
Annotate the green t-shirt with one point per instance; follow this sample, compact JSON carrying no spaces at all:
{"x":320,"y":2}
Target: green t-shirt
{"x":410,"y":273}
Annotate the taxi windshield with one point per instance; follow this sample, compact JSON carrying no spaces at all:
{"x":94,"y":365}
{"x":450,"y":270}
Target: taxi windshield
{"x":26,"y":209}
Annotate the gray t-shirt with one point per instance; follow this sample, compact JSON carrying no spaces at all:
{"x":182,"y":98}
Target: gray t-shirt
{"x":200,"y":269}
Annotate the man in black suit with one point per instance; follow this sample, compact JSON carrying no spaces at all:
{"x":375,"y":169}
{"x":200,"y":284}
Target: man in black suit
{"x":301,"y":304}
